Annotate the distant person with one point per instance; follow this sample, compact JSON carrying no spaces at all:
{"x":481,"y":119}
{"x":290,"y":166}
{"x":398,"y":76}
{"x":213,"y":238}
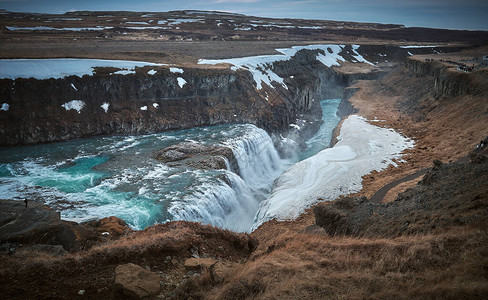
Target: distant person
{"x":26,"y":201}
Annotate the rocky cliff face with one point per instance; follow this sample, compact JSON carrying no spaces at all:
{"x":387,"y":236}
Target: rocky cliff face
{"x":141,"y":103}
{"x":131,"y":104}
{"x":448,"y":82}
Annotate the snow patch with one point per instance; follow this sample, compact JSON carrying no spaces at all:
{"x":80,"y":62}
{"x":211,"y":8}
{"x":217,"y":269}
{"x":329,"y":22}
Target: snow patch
{"x":358,"y":56}
{"x":124,"y":72}
{"x":261,"y":66}
{"x":181,"y":82}
{"x":176,"y":70}
{"x":74,"y":104}
{"x":155,"y":105}
{"x":336,"y":171}
{"x":61,"y":67}
{"x":5,"y":107}
{"x":13,"y":28}
{"x":151,"y":72}
{"x":74,"y":87}
{"x":295,"y":126}
{"x":137,"y":23}
{"x":143,"y":107}
{"x":419,"y":46}
{"x":147,"y":27}
{"x":105,"y":106}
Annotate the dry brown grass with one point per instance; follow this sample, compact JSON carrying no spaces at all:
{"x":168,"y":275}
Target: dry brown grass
{"x":29,"y":274}
{"x":450,"y":265}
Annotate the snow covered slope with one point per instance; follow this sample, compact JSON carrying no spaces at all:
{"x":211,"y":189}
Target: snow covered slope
{"x":61,"y":67}
{"x":336,"y":171}
{"x":261,"y":66}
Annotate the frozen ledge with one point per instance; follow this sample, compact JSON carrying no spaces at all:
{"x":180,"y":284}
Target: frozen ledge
{"x":361,"y":148}
{"x":63,"y":67}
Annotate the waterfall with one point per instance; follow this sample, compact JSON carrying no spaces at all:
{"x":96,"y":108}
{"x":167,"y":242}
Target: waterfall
{"x":229,"y":200}
{"x":259,"y":161}
{"x":227,"y":203}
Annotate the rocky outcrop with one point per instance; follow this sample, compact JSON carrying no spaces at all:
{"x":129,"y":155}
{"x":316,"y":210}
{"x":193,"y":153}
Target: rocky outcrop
{"x":39,"y":224}
{"x":112,"y":227}
{"x":198,"y":156}
{"x":345,"y":107}
{"x":448,"y":82}
{"x":134,"y":282}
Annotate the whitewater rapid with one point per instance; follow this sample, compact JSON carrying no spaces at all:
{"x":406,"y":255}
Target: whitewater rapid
{"x":233,"y":202}
{"x":93,"y":178}
{"x":335,"y":171}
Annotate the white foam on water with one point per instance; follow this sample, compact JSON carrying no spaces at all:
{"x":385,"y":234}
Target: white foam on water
{"x":229,"y":206}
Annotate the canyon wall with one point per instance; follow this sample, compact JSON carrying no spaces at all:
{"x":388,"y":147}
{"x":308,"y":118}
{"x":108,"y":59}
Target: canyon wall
{"x":142,"y":103}
{"x":448,"y":82}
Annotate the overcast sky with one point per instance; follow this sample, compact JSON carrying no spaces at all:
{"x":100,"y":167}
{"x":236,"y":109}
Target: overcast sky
{"x":451,"y":14}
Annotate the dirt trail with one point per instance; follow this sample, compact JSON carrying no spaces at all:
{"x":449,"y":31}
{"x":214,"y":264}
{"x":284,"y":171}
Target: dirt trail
{"x":380,"y":194}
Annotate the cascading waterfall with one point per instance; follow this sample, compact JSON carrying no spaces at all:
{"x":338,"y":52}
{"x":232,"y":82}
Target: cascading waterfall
{"x":232,"y":202}
{"x":228,"y":203}
{"x":259,"y":161}
{"x":118,"y":176}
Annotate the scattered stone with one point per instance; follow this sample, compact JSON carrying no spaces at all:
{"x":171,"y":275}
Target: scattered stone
{"x":195,"y":264}
{"x":134,"y":282}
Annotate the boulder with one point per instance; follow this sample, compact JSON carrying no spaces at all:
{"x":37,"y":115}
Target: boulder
{"x":198,"y":156}
{"x":135,"y":282}
{"x":39,"y":224}
{"x":196,"y":264}
{"x":113,"y":225}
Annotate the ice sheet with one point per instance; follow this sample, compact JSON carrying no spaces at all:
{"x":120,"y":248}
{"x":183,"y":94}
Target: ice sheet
{"x":61,"y":67}
{"x":336,"y":171}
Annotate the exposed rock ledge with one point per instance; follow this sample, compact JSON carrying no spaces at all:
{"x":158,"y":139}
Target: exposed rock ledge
{"x":39,"y":224}
{"x":198,"y":156}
